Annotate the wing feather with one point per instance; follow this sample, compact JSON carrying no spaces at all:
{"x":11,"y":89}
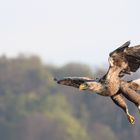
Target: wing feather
{"x":127,"y":58}
{"x":73,"y":81}
{"x":120,"y":49}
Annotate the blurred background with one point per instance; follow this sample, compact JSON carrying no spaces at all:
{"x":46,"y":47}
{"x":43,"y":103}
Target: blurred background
{"x":43,"y":39}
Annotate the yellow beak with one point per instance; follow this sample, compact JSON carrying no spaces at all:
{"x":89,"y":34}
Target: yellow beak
{"x":82,"y":87}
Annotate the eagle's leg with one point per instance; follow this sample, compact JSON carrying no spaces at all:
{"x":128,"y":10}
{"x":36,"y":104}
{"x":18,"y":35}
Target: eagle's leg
{"x":119,"y":101}
{"x":131,"y":94}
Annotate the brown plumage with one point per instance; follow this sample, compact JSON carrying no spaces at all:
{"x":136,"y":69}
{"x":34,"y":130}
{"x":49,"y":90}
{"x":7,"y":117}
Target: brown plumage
{"x":124,"y":60}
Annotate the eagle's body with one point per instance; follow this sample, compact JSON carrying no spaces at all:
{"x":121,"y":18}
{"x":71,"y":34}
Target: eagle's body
{"x":123,"y":60}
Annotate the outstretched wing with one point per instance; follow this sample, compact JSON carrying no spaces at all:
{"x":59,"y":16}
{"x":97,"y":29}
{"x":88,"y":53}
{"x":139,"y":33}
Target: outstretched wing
{"x":73,"y":81}
{"x":126,"y":58}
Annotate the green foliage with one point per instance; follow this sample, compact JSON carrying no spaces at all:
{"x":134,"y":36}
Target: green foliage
{"x":58,"y":108}
{"x":102,"y":131}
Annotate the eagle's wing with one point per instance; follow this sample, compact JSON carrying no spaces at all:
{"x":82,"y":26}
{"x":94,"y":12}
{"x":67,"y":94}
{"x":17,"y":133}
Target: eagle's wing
{"x":126,"y":58}
{"x":73,"y":81}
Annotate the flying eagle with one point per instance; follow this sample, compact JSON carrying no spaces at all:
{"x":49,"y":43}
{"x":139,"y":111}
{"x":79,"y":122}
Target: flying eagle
{"x":123,"y":60}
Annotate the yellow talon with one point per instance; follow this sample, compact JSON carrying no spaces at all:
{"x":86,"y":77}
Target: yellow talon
{"x":131,"y":119}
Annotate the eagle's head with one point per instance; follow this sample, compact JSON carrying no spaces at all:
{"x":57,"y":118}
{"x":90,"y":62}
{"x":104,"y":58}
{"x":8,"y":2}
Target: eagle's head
{"x":92,"y":85}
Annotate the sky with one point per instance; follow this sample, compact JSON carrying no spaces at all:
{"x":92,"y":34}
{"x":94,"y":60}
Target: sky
{"x":63,"y":31}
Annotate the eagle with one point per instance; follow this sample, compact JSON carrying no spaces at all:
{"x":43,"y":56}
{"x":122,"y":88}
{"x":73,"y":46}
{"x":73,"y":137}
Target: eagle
{"x":124,"y":60}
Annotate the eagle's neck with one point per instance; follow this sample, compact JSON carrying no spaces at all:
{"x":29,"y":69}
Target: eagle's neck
{"x":96,"y":87}
{"x":99,"y":88}
{"x":112,"y":80}
{"x":113,"y":73}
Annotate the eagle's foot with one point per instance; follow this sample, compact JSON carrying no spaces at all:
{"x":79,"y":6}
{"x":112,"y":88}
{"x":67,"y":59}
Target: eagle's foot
{"x":131,"y":119}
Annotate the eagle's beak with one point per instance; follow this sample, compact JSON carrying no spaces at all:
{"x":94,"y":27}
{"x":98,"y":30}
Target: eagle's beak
{"x":82,"y":87}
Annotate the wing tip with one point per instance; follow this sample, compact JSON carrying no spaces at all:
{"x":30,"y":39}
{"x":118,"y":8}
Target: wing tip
{"x":126,"y":44}
{"x":56,"y":80}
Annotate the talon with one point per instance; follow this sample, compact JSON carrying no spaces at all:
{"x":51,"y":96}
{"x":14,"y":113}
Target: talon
{"x":131,"y":119}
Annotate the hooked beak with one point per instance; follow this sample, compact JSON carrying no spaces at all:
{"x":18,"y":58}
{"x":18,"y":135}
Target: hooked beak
{"x":82,"y":87}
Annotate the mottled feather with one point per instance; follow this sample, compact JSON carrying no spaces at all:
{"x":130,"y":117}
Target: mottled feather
{"x":127,"y":58}
{"x":73,"y":81}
